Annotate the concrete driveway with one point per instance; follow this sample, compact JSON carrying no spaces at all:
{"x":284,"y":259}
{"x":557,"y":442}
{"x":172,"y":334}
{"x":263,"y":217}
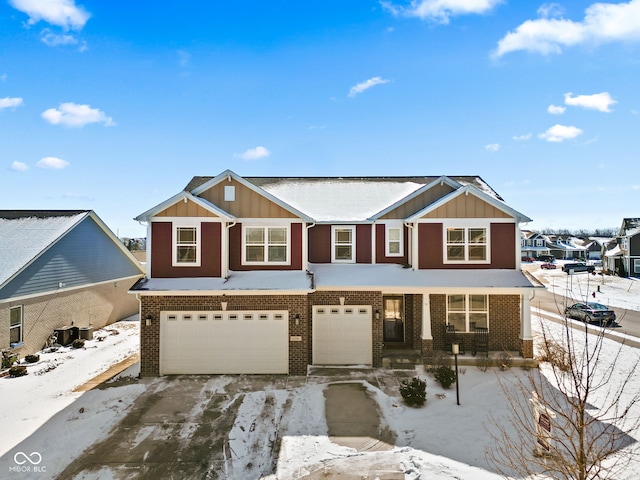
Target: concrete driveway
{"x":179,"y":428}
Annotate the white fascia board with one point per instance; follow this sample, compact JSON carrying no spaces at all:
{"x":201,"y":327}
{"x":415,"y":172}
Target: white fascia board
{"x":181,"y":197}
{"x":419,"y":191}
{"x":226,"y":293}
{"x":229,"y":174}
{"x":430,"y":290}
{"x":69,"y":289}
{"x":470,"y":189}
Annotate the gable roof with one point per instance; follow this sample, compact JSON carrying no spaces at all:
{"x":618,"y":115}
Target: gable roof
{"x":28,"y":234}
{"x":180,"y":197}
{"x":630,"y":227}
{"x":341,"y":199}
{"x":466,"y":190}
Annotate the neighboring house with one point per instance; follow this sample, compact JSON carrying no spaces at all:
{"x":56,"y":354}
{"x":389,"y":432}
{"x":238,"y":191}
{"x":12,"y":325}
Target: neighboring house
{"x":623,"y":257}
{"x":270,"y":275}
{"x":567,"y":247}
{"x":533,"y":244}
{"x":60,"y":269}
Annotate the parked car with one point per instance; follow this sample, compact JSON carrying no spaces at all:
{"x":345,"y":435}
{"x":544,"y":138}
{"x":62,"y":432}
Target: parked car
{"x":546,"y":258}
{"x":592,"y":312}
{"x":578,"y":267}
{"x":548,"y":266}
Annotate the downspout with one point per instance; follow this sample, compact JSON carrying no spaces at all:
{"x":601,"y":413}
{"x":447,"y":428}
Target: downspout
{"x":148,"y":248}
{"x":305,"y":247}
{"x":225,"y":249}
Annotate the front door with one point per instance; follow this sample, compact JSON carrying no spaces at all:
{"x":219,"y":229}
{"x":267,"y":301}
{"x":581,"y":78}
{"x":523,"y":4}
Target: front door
{"x":393,"y":326}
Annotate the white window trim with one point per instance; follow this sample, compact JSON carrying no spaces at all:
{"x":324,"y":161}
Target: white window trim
{"x":636,"y":265}
{"x":266,"y":244}
{"x":467,"y":312}
{"x":467,"y":224}
{"x":333,"y":243}
{"x":21,"y":326}
{"x":185,"y":223}
{"x":387,"y":241}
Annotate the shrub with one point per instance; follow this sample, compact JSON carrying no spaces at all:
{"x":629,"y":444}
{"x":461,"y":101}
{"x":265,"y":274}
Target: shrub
{"x":445,"y":375}
{"x":435,"y":359}
{"x":78,"y":343}
{"x":33,"y":358}
{"x":414,"y":392}
{"x":18,"y":371}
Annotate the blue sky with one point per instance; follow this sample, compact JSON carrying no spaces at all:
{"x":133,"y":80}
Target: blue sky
{"x":114,"y":106}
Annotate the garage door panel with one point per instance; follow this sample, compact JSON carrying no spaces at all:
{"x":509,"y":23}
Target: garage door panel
{"x":342,"y":335}
{"x":224,"y":342}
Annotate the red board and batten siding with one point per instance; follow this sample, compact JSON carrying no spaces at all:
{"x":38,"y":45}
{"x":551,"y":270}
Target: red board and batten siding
{"x":320,"y":244}
{"x":503,"y":247}
{"x":162,"y":250}
{"x":235,"y":251}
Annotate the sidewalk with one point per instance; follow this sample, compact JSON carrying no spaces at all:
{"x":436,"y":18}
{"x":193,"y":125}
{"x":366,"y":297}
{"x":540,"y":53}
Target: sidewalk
{"x":108,"y":374}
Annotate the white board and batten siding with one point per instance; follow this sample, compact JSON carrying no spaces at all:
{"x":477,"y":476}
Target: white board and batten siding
{"x":224,"y":342}
{"x":342,"y":335}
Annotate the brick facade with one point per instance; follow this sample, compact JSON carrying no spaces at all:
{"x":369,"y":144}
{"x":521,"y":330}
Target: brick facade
{"x":504,"y":320}
{"x":95,"y":307}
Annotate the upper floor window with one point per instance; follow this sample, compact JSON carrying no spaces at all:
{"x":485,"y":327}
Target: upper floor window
{"x":539,"y":242}
{"x":343,"y":240}
{"x":466,"y":244}
{"x":394,"y":241}
{"x":15,"y":325}
{"x":186,"y":250}
{"x":466,"y":311}
{"x":266,"y":245}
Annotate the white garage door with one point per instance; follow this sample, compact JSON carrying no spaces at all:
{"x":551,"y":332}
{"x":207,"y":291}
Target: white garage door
{"x":224,"y":342}
{"x":342,"y":335}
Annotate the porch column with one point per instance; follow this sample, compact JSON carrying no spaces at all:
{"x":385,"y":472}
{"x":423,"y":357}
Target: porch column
{"x":525,"y":318}
{"x":426,"y":318}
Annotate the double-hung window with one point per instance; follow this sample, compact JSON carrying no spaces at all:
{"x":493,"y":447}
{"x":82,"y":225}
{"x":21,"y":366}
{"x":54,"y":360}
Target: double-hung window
{"x":343,"y":241}
{"x":186,"y":249}
{"x":266,"y":245}
{"x":394,"y":241}
{"x":15,"y":325}
{"x":466,"y":245}
{"x":463,"y":311}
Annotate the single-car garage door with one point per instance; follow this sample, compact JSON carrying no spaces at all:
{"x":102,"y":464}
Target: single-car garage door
{"x":224,"y":342}
{"x":342,"y":335}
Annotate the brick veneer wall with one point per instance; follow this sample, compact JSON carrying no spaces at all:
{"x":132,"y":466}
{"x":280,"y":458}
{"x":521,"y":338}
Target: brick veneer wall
{"x":153,"y":305}
{"x":95,"y":307}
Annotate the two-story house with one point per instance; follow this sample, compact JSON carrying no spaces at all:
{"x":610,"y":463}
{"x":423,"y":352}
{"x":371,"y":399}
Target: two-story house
{"x":623,"y":256}
{"x":270,"y":275}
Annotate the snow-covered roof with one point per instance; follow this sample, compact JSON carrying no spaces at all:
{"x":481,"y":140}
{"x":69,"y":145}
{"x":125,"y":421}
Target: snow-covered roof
{"x":388,"y":277}
{"x":341,"y":199}
{"x":614,"y":252}
{"x":276,"y":281}
{"x":27,"y":234}
{"x":630,"y":227}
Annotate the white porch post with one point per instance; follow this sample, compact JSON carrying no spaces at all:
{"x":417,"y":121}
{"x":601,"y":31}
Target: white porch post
{"x":426,"y":317}
{"x":525,"y":318}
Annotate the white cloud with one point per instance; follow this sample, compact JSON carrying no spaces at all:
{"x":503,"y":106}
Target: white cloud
{"x":54,"y":39}
{"x":366,"y":85}
{"x":441,"y":11}
{"x":550,"y":10}
{"x":9,"y":102}
{"x":3,"y":77}
{"x":598,"y":101}
{"x":62,"y":13}
{"x":492,"y":147}
{"x":521,"y":138}
{"x":73,"y":115}
{"x":560,"y":133}
{"x":19,"y":166}
{"x":603,"y":22}
{"x":53,"y":163}
{"x":254,"y":153}
{"x":556,"y":110}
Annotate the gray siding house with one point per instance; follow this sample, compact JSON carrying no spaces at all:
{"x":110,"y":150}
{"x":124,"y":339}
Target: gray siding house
{"x":60,"y":269}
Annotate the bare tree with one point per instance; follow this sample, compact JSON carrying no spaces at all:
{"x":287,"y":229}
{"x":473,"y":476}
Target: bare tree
{"x":590,"y":395}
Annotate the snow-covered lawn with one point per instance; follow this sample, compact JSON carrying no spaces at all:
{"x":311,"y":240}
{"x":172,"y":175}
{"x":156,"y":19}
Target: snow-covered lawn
{"x":440,"y":440}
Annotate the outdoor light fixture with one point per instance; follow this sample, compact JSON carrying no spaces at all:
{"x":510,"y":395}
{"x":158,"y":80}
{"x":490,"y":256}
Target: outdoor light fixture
{"x":297,"y":318}
{"x":455,"y":349}
{"x":147,"y":320}
{"x":377,"y":314}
